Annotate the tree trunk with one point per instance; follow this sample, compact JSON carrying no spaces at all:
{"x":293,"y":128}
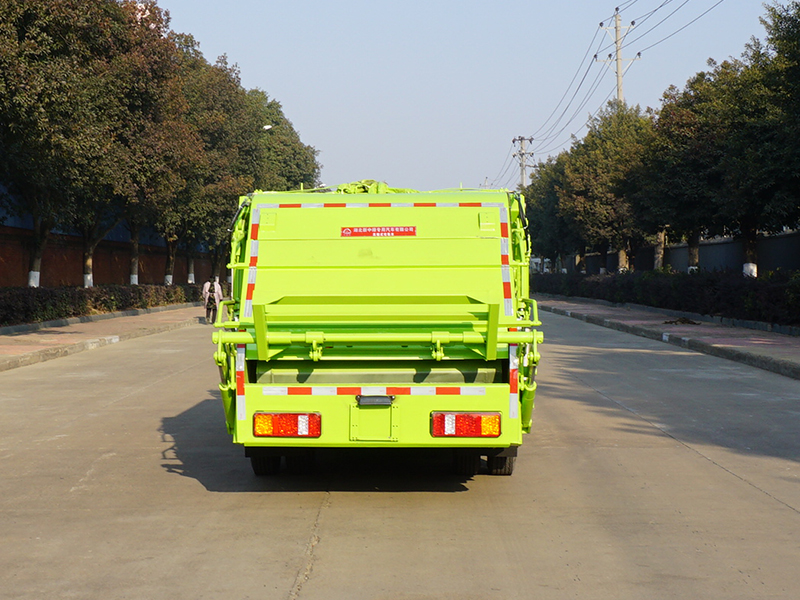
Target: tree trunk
{"x":227,"y":274}
{"x":750,"y":247}
{"x":581,"y":264}
{"x":216,"y":261}
{"x":659,"y":250}
{"x":135,"y":230}
{"x":41,"y":235}
{"x":88,"y":275}
{"x":190,"y":269}
{"x":92,"y":235}
{"x":693,"y":251}
{"x":622,"y":260}
{"x":631,"y":251}
{"x":172,"y":249}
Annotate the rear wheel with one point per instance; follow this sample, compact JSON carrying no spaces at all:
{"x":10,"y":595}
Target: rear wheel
{"x":265,"y":465}
{"x":466,"y":463}
{"x":501,"y":465}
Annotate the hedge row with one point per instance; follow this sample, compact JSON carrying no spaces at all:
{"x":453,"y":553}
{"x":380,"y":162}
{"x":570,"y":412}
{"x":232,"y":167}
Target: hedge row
{"x":774,"y":298}
{"x":34,"y":305}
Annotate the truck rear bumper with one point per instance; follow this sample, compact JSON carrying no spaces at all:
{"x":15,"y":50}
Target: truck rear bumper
{"x":403,"y":421}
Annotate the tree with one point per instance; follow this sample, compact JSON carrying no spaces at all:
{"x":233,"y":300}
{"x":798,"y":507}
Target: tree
{"x":553,"y":234}
{"x":726,"y":153}
{"x":673,"y":187}
{"x":593,"y":195}
{"x":105,"y":115}
{"x":238,"y":154}
{"x":224,"y":166}
{"x":754,"y":196}
{"x":164,"y":147}
{"x":49,"y":129}
{"x":782,"y":24}
{"x":287,"y":163}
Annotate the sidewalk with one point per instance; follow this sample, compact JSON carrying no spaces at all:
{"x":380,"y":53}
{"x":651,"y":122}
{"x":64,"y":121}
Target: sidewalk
{"x":758,"y":348}
{"x":29,"y":344}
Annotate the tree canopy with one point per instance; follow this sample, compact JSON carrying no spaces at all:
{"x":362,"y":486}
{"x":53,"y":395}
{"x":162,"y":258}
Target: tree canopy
{"x":721,"y":156}
{"x":105,"y":114}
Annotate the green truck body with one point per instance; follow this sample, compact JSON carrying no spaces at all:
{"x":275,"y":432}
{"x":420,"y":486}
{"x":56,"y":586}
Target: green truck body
{"x":373,"y":317}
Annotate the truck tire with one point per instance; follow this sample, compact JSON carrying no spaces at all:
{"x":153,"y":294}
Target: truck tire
{"x":501,"y":465}
{"x":265,"y":465}
{"x":466,"y":463}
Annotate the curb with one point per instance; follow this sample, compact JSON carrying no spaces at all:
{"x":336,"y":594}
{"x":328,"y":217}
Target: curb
{"x":774,"y":365}
{"x":31,"y":358}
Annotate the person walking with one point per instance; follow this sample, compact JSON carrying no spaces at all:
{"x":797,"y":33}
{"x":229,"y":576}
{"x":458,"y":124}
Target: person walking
{"x":212,"y":296}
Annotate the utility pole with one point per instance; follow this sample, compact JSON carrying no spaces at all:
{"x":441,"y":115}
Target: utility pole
{"x":522,"y":155}
{"x":616,"y":58}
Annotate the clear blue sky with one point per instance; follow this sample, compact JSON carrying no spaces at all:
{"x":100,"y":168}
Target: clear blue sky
{"x":428,"y":94}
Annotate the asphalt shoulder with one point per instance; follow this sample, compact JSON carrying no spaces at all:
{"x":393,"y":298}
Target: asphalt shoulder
{"x":755,"y":344}
{"x":30,"y":344}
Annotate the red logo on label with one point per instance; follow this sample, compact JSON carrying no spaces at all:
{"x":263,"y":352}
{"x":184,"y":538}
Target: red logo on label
{"x":379,"y":231}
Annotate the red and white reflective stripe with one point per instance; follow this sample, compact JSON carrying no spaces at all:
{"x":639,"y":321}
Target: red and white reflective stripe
{"x":321,"y":390}
{"x":513,"y":381}
{"x":505,"y":261}
{"x":499,"y":205}
{"x":241,"y":407}
{"x":253,"y":261}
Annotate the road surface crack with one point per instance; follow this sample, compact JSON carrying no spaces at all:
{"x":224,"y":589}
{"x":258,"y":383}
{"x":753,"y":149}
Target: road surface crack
{"x":304,"y":573}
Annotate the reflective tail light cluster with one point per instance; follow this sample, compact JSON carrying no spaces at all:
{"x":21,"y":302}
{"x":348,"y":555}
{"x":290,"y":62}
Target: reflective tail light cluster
{"x":458,"y":424}
{"x":287,"y":425}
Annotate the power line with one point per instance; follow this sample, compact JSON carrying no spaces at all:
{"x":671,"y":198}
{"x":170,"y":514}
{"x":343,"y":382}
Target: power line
{"x":549,"y":133}
{"x":592,"y":89}
{"x":496,"y":179}
{"x":685,"y":26}
{"x":586,"y":98}
{"x":684,"y":3}
{"x":638,"y":20}
{"x":588,"y":50}
{"x":498,"y":176}
{"x":591,"y":116}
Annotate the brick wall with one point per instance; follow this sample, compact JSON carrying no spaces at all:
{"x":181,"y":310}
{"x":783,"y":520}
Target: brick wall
{"x":62,"y":263}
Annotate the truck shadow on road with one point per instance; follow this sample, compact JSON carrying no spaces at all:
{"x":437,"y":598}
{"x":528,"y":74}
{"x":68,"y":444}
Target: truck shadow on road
{"x":202,"y":449}
{"x":691,"y":397}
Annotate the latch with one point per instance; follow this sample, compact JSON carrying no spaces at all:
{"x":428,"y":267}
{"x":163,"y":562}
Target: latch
{"x":316,"y":339}
{"x":439,"y":338}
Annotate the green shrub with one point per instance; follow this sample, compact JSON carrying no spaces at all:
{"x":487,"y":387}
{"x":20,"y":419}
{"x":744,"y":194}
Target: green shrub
{"x":35,"y":305}
{"x":774,"y":298}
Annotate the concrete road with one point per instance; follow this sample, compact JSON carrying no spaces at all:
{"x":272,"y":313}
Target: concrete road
{"x":653,"y":472}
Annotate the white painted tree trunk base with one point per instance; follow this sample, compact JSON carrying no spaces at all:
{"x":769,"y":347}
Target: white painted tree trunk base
{"x":750,"y":270}
{"x":33,"y":278}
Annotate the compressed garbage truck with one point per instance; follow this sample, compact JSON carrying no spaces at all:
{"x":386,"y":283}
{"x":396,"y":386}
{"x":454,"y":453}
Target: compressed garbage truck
{"x":365,"y":316}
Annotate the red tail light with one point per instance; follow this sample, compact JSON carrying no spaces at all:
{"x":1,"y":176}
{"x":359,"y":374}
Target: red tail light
{"x":287,"y":425}
{"x":454,"y":424}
